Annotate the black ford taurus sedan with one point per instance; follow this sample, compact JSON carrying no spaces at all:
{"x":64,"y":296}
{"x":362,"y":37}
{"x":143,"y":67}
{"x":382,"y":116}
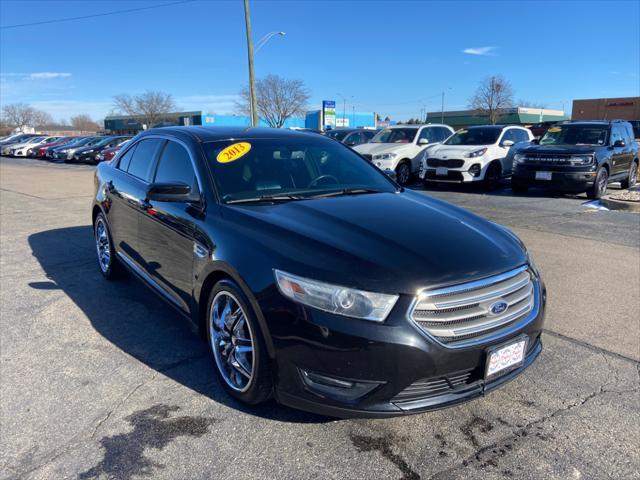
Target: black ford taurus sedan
{"x":316,"y":279}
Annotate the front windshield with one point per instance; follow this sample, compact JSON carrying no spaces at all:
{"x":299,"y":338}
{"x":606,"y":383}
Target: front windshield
{"x":300,"y":167}
{"x":395,"y":135}
{"x":474,"y":136}
{"x":337,"y":134}
{"x":576,"y":135}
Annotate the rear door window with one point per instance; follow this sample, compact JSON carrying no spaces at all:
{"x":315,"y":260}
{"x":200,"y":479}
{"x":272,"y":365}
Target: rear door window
{"x":142,"y":161}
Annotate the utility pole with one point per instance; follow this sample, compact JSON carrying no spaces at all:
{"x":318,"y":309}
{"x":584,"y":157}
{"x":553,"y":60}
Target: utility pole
{"x":344,"y":107}
{"x":442,"y":109}
{"x":252,"y":79}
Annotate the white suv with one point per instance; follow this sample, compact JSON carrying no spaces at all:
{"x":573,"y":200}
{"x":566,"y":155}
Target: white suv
{"x":397,"y":148}
{"x":474,"y":154}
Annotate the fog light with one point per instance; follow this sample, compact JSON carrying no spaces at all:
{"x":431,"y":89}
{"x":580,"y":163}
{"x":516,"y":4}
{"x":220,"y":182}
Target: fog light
{"x":341,"y":389}
{"x":475,"y":169}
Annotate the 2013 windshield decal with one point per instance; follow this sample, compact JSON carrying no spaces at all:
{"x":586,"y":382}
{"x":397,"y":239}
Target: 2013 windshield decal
{"x":233,"y":152}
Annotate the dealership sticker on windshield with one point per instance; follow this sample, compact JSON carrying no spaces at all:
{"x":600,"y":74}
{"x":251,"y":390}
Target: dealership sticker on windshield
{"x":554,"y":130}
{"x":233,"y":152}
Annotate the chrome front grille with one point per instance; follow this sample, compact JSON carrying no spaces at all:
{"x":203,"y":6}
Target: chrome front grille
{"x":474,"y":310}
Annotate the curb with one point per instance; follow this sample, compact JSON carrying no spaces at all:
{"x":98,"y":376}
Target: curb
{"x":625,"y":205}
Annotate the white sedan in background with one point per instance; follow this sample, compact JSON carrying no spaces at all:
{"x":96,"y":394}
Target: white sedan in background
{"x":23,"y":149}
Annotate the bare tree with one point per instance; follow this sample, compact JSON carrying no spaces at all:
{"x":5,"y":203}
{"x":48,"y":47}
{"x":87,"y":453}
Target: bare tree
{"x":84,"y":123}
{"x":493,"y":94}
{"x":278,"y":99}
{"x":21,"y":115}
{"x":529,"y":104}
{"x":148,"y":108}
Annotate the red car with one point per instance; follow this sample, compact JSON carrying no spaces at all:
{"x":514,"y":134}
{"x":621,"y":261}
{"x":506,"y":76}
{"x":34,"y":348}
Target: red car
{"x":42,"y":149}
{"x":109,"y":153}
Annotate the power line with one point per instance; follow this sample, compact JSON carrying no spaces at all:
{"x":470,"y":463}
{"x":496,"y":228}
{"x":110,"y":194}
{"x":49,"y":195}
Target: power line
{"x":115,"y":12}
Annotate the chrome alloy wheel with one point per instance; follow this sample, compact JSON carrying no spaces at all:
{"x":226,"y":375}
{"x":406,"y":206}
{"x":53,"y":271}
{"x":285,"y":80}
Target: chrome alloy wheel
{"x":231,"y":341}
{"x":603,"y":180}
{"x":633,"y":176}
{"x":102,"y":245}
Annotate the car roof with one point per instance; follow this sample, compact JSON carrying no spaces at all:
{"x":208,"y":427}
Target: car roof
{"x":591,"y":122}
{"x":497,"y":127}
{"x":212,"y":134}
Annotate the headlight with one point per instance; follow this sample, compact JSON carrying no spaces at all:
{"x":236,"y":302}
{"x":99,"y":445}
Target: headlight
{"x":88,"y":151}
{"x":477,"y":153}
{"x":385,"y":156}
{"x":518,"y":158}
{"x":581,"y":159}
{"x":335,"y":299}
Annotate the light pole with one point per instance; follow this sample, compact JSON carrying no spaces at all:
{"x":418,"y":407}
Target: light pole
{"x":344,"y":106}
{"x":442,"y":107}
{"x":252,"y":79}
{"x":261,"y":43}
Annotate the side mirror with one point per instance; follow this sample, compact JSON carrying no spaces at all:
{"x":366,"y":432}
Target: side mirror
{"x":350,"y":144}
{"x":507,"y":143}
{"x":535,"y":141}
{"x":423,"y":141}
{"x":391,"y":174}
{"x":172,"y":192}
{"x":619,"y":143}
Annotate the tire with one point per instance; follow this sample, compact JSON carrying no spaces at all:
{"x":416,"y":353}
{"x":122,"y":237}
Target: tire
{"x":403,"y":172}
{"x":518,"y":186}
{"x":108,"y":263}
{"x":492,"y":177}
{"x":599,"y":187}
{"x":230,"y":329}
{"x":632,"y":178}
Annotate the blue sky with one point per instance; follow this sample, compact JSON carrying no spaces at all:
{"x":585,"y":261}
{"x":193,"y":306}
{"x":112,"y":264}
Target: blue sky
{"x":393,"y":57}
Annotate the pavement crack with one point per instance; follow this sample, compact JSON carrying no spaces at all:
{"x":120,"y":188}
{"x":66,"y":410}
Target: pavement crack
{"x":592,"y":347}
{"x":383,"y":445}
{"x":489,"y":455}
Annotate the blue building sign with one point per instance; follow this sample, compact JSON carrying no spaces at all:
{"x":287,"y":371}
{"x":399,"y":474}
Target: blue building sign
{"x":328,"y":114}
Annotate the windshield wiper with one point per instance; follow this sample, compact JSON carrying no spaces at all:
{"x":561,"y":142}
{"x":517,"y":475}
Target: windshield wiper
{"x":267,"y":198}
{"x":348,"y":191}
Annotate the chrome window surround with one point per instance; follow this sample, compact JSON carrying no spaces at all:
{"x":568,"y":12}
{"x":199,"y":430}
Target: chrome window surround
{"x":480,"y":338}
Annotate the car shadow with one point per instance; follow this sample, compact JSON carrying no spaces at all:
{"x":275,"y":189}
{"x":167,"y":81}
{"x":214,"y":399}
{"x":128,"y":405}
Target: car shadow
{"x":131,"y":317}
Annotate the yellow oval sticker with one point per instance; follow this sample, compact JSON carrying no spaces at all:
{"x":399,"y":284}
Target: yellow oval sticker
{"x":554,"y":130}
{"x":233,"y":152}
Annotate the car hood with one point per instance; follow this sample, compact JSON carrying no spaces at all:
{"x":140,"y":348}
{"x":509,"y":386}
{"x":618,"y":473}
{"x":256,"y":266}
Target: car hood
{"x":559,"y":149}
{"x":377,"y":148}
{"x":386,"y":242}
{"x":454,"y":151}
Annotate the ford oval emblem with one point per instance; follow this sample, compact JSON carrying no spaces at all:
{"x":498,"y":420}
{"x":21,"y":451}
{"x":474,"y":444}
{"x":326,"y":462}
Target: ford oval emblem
{"x":497,"y":308}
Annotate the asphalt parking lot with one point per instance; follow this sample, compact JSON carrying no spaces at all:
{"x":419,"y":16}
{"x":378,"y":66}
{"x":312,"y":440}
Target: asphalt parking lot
{"x":103,"y":380}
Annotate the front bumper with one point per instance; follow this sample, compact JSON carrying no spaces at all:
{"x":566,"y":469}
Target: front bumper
{"x":395,"y":356}
{"x":453,"y":176}
{"x":565,"y":180}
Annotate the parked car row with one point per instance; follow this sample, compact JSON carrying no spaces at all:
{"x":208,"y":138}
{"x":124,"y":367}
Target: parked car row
{"x":86,"y":149}
{"x":571,"y":156}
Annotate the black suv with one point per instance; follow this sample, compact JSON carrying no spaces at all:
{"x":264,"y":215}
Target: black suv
{"x":578,"y":157}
